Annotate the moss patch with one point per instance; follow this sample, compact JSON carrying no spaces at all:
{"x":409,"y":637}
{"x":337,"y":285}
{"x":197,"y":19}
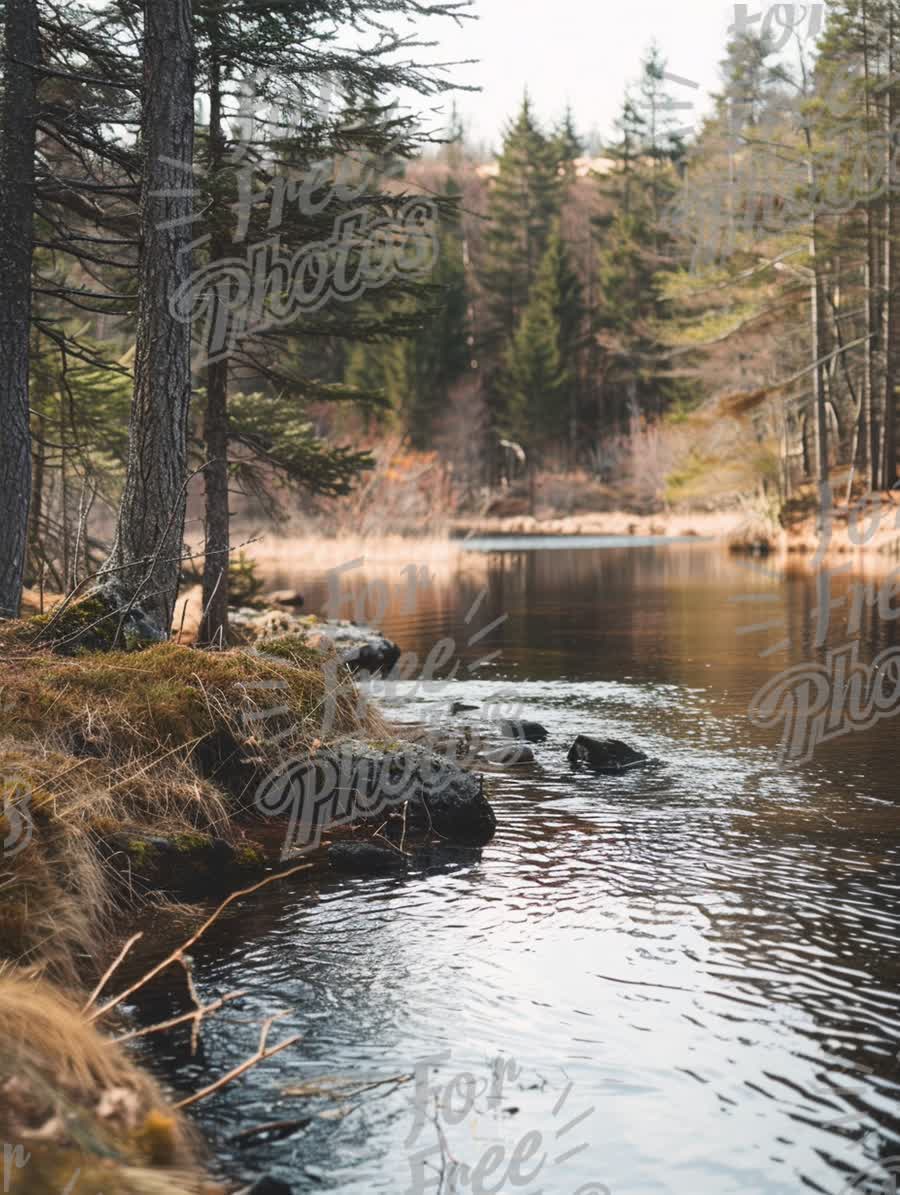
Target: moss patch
{"x":112,"y":752}
{"x":93,"y":623}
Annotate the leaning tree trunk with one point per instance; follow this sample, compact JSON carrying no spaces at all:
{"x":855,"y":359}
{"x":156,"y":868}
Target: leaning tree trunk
{"x":17,"y":141}
{"x":214,"y":625}
{"x":145,"y":563}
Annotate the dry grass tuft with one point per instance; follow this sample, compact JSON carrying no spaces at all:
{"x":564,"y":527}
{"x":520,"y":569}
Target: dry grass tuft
{"x":137,"y":744}
{"x":76,"y":1102}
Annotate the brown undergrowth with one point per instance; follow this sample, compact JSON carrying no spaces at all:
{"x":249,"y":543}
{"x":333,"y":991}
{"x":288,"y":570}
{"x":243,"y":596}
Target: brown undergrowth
{"x":158,"y":743}
{"x":79,"y":1108}
{"x":104,"y":754}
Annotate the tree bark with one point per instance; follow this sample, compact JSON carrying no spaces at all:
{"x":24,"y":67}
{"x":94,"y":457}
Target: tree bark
{"x":17,"y":143}
{"x":869,"y":430}
{"x":214,"y":625}
{"x":889,"y":464}
{"x":145,"y":563}
{"x":820,"y":413}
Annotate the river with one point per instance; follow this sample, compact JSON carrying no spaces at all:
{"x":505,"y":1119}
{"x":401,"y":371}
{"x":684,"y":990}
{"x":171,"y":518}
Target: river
{"x":683,"y":981}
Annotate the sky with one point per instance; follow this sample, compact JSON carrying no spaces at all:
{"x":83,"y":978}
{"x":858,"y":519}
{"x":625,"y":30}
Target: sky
{"x":582,"y":52}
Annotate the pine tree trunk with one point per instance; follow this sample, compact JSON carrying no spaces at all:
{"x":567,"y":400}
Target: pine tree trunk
{"x":17,"y":144}
{"x":869,"y":429}
{"x":889,"y":465}
{"x":145,"y":564}
{"x":820,"y":414}
{"x":36,"y":515}
{"x":214,"y":626}
{"x":819,"y":404}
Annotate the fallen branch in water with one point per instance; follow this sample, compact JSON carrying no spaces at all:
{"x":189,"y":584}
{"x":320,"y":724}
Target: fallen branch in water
{"x":197,"y":1015}
{"x":281,"y":1127}
{"x":177,"y":956}
{"x":261,"y":1055}
{"x":107,"y":974}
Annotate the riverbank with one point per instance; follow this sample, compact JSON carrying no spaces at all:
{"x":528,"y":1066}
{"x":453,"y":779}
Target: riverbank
{"x":155,"y":774}
{"x":858,"y":529}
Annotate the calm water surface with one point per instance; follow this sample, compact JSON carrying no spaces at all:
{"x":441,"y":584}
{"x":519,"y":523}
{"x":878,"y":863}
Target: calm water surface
{"x":694,"y":969}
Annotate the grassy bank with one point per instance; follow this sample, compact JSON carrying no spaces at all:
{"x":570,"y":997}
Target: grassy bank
{"x":127,"y":776}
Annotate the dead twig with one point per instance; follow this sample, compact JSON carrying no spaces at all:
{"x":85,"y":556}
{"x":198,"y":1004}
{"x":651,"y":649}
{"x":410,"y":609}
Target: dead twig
{"x":261,"y":1055}
{"x":107,"y":974}
{"x":202,"y":1011}
{"x":176,"y":955}
{"x":282,"y":1127}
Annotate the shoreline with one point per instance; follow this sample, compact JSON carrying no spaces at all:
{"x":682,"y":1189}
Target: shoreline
{"x":136,"y":781}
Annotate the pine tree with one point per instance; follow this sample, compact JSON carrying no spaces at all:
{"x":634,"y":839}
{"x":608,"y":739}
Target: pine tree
{"x":18,"y":117}
{"x":542,"y":373}
{"x":289,"y":139}
{"x":568,"y":144}
{"x":144,"y":565}
{"x":524,"y":200}
{"x":416,"y":374}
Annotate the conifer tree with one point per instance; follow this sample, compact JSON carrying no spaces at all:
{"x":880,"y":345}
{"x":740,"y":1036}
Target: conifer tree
{"x":295,"y":144}
{"x":416,"y":373}
{"x":542,"y":362}
{"x":523,"y":202}
{"x":569,"y":145}
{"x":18,"y":122}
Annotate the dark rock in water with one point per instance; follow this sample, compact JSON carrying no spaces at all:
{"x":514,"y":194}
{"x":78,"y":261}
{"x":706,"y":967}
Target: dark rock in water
{"x":370,"y":859}
{"x":378,"y":655}
{"x":438,"y":856}
{"x":360,"y":648}
{"x":605,"y":755}
{"x":356,"y":782}
{"x":269,"y":1186}
{"x":461,"y":707}
{"x":529,"y":732}
{"x":365,"y":858}
{"x":451,"y":802}
{"x":510,"y":754}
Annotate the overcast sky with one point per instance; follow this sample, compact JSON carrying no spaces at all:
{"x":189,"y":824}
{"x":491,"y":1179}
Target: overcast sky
{"x":580,"y":51}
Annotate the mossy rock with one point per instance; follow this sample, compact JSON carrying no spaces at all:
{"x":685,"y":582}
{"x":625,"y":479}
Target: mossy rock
{"x":185,"y":864}
{"x":100,"y":621}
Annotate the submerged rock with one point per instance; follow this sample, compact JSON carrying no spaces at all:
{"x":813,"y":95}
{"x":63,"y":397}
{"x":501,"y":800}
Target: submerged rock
{"x":368,"y":858}
{"x":365,"y":858}
{"x":509,"y":754}
{"x":605,"y":755}
{"x":439,"y":855}
{"x":269,"y":1186}
{"x":529,"y":732}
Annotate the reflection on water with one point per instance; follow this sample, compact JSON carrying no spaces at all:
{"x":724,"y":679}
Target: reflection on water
{"x":696,"y":964}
